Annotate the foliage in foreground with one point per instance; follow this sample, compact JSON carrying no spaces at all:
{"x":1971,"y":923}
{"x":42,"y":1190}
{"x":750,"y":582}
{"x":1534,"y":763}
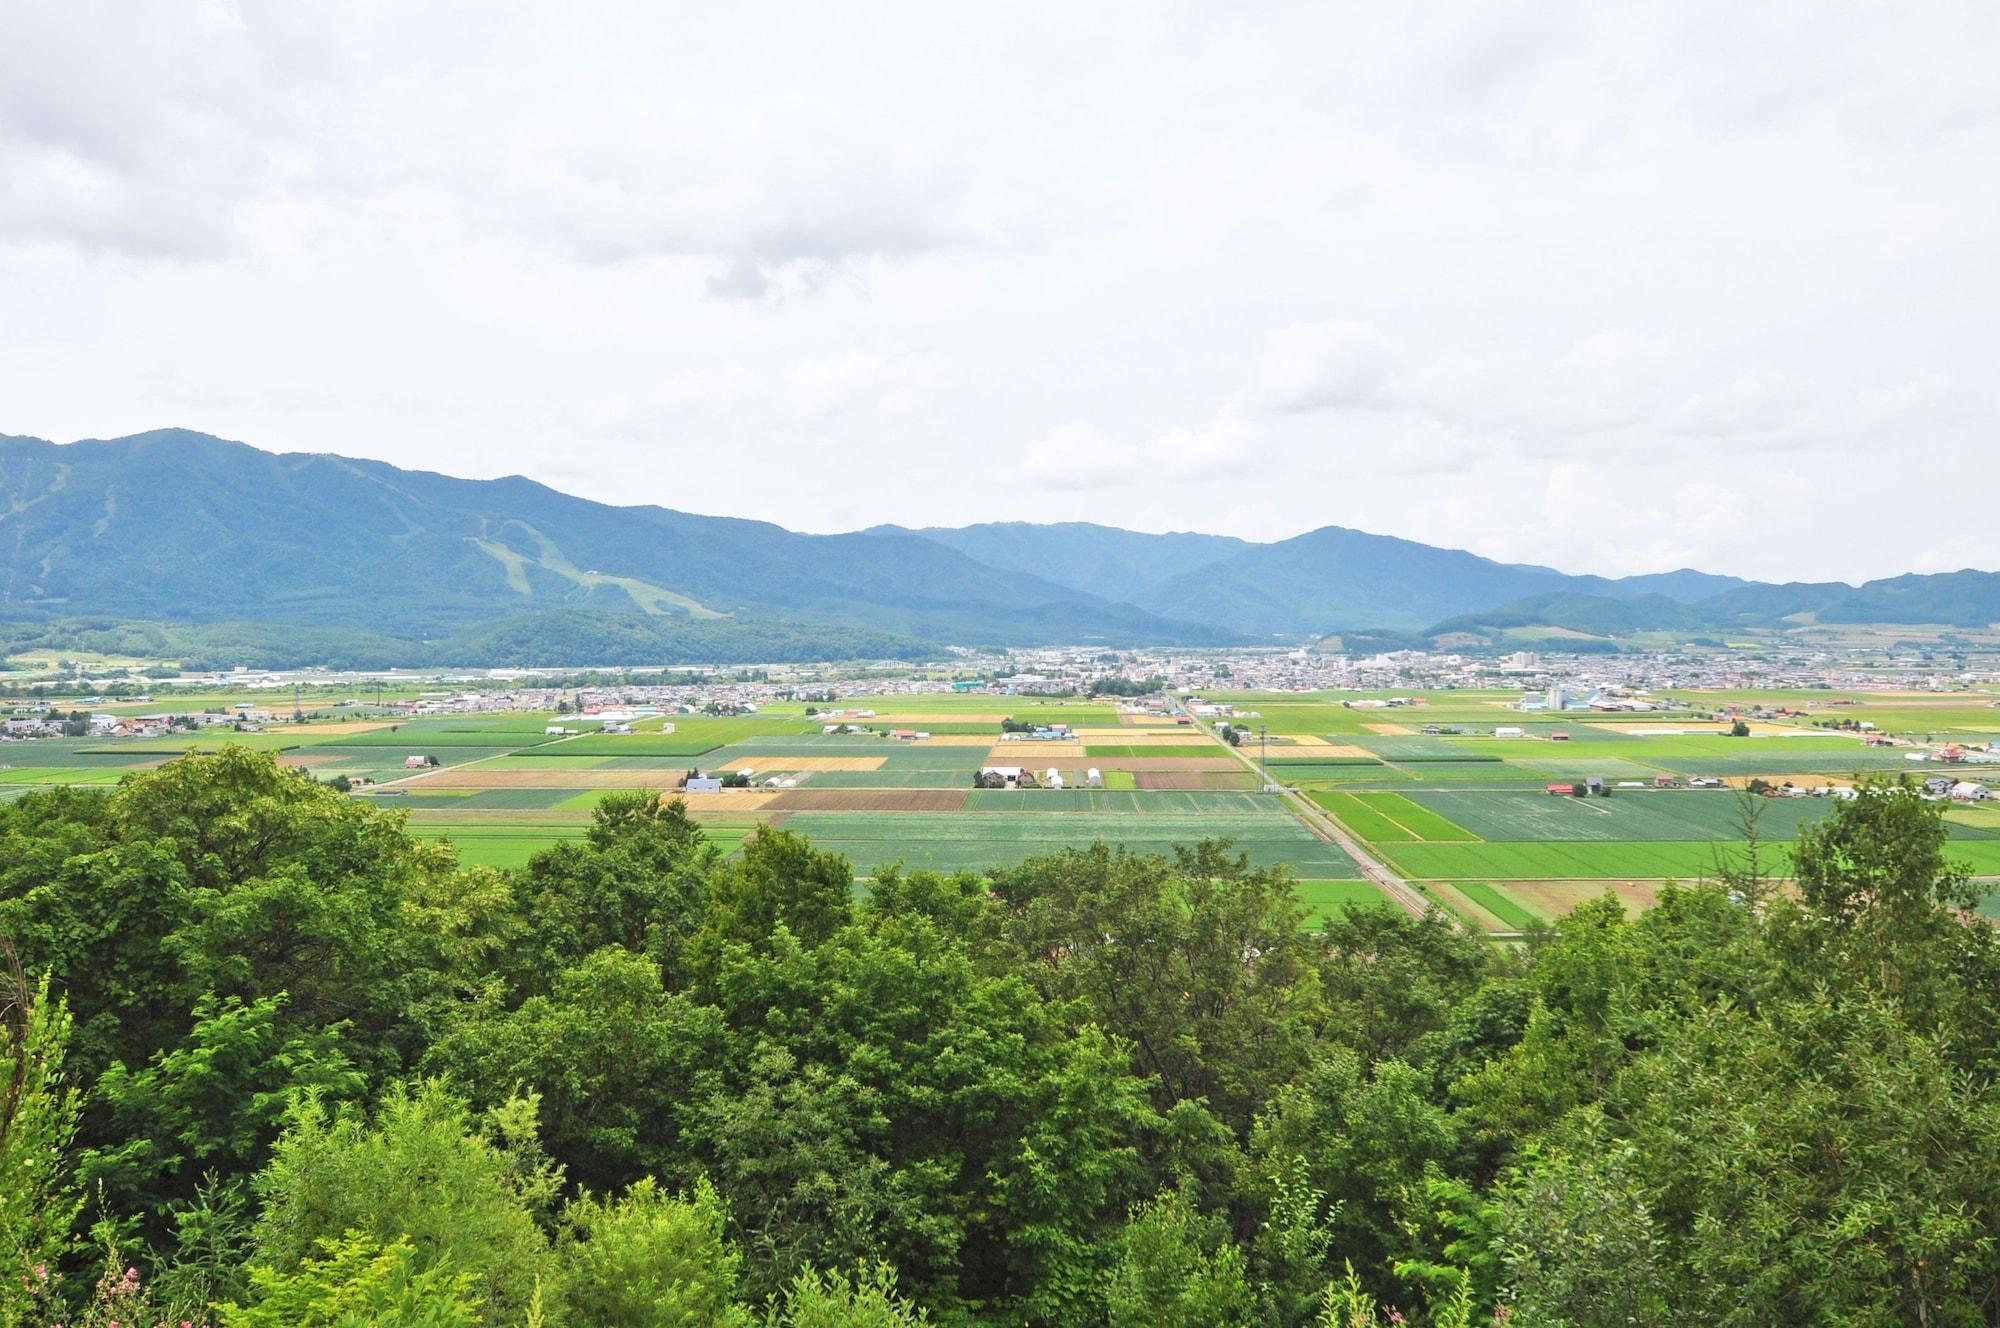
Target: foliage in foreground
{"x":268,"y":1060}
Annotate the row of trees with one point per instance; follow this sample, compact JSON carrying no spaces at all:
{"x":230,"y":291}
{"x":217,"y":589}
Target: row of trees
{"x":270,"y":1060}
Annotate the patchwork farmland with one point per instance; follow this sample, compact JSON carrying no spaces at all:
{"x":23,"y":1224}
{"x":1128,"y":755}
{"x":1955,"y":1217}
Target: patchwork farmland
{"x":1466,"y":815}
{"x":1427,"y":794}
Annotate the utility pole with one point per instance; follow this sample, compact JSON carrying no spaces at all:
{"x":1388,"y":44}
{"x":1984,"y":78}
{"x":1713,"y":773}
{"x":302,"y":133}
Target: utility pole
{"x":1263,"y":750}
{"x":298,"y":715}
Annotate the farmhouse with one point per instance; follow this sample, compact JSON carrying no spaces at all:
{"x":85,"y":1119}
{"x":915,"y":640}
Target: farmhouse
{"x":703,"y":784}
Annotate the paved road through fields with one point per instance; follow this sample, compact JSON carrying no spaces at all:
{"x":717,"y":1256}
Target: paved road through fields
{"x":1400,"y":891}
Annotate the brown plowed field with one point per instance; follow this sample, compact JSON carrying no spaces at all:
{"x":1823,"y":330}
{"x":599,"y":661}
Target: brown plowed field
{"x":1198,"y":779}
{"x":1555,"y":898}
{"x":728,"y":800}
{"x":1165,"y":764}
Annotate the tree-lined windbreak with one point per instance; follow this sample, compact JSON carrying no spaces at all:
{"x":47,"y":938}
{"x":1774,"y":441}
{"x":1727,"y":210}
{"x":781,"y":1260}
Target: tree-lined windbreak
{"x":268,"y":1060}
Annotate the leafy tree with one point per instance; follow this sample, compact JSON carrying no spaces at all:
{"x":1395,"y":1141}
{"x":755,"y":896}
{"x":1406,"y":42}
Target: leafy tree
{"x":1579,"y":1242}
{"x":213,"y":1104}
{"x":640,"y":879}
{"x":218,"y":874}
{"x":1879,"y":897}
{"x":467,"y":1199}
{"x":1177,"y":1269}
{"x":781,"y":883}
{"x":1203,"y":965}
{"x":354,"y":1280}
{"x":1822,"y":1161}
{"x":886,"y":1098}
{"x":599,"y":1047}
{"x":1367,"y":1136}
{"x":866,"y":1298}
{"x":648,"y":1260}
{"x":39,"y":1199}
{"x":1392,"y":982}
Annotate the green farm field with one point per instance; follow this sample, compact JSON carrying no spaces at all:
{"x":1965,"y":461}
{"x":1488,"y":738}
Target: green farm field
{"x":1464,"y":813}
{"x":971,"y":840}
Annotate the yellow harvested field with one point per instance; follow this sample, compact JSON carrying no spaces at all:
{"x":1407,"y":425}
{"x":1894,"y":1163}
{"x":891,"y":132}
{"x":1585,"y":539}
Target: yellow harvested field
{"x":1034,"y":754}
{"x":771,"y":764}
{"x":1809,"y":779}
{"x":1389,"y":730}
{"x":1315,"y":747}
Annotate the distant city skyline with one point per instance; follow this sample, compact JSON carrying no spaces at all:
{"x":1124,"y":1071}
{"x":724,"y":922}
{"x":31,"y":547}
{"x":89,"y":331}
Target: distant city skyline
{"x":1609,"y":290}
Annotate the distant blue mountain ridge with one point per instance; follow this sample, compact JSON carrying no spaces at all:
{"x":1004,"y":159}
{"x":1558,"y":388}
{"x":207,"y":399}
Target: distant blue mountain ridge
{"x":176,"y":526}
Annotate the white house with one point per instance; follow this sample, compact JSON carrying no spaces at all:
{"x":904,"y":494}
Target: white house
{"x":704,"y":784}
{"x":1967,"y":791}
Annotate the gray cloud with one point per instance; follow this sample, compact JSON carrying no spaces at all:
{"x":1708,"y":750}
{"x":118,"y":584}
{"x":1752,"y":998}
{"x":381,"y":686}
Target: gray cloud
{"x":1562,"y":282}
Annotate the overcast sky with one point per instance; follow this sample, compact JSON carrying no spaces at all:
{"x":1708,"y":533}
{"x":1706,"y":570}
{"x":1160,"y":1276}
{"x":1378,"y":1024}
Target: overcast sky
{"x":1617,"y":288}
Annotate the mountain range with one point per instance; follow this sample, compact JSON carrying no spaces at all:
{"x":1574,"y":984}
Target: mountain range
{"x":179,"y":527}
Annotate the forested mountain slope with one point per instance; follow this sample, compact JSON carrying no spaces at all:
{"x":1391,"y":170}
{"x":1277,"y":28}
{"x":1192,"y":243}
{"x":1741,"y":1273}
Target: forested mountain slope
{"x":180,"y":525}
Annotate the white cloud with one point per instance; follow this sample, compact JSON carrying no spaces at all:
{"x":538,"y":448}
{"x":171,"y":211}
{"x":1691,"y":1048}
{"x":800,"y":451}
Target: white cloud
{"x":1076,"y":456}
{"x":1325,"y":366}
